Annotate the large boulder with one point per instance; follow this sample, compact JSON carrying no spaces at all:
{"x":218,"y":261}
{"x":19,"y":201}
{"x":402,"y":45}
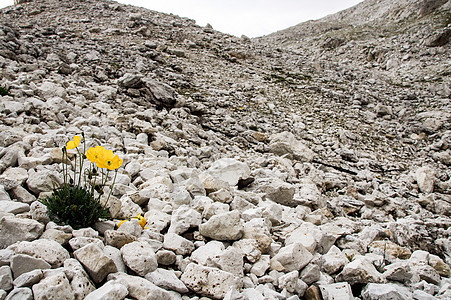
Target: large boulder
{"x":285,"y":143}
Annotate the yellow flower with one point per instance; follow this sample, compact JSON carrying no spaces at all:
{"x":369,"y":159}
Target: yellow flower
{"x":120,"y":223}
{"x":93,"y":154}
{"x":74,"y":143}
{"x":109,"y":161}
{"x":141,"y":220}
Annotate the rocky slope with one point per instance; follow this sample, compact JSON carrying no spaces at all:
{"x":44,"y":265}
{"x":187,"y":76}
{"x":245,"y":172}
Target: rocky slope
{"x":312,"y":163}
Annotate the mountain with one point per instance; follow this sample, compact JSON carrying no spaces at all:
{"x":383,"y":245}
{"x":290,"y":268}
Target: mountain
{"x":312,"y":162}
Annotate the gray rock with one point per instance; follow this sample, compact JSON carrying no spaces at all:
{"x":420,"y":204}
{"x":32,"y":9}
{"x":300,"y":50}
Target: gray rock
{"x":13,"y":207}
{"x":425,"y":177}
{"x":184,"y":218}
{"x":115,"y":255}
{"x":20,"y":293}
{"x":118,"y":239}
{"x":50,"y":251}
{"x":140,"y":257}
{"x":206,"y":252}
{"x":22,"y":195}
{"x":178,"y":244}
{"x":160,"y":93}
{"x":360,"y":270}
{"x":285,"y":143}
{"x":333,"y":260}
{"x":53,"y":287}
{"x":96,"y":263}
{"x":340,"y":290}
{"x":43,"y":181}
{"x":17,"y":229}
{"x":291,"y":258}
{"x":28,"y":279}
{"x":210,"y":282}
{"x":167,"y":280}
{"x":110,"y":290}
{"x":140,"y":288}
{"x":223,"y":227}
{"x":6,"y":278}
{"x":22,"y":264}
{"x":280,"y":192}
{"x":130,"y":80}
{"x":310,"y":274}
{"x":375,"y":291}
{"x":229,"y":170}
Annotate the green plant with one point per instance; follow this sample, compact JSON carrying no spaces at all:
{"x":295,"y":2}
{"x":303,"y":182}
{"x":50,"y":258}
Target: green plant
{"x":77,"y":201}
{"x":4,"y":91}
{"x":75,"y":206}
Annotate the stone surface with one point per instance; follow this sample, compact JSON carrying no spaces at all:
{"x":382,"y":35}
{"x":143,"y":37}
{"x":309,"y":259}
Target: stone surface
{"x":225,"y":226}
{"x":340,"y":290}
{"x":229,"y":170}
{"x":291,"y":258}
{"x":360,"y":270}
{"x":50,"y":251}
{"x":139,"y":257}
{"x":110,"y":290}
{"x":53,"y":287}
{"x":21,"y":263}
{"x":14,"y":229}
{"x":210,"y":282}
{"x":167,"y":280}
{"x":96,"y":263}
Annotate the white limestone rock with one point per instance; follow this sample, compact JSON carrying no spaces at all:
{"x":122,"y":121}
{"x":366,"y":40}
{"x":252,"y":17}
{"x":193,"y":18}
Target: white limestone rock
{"x":280,"y":192}
{"x":140,"y":288}
{"x":117,"y":238}
{"x":250,"y":249}
{"x":50,"y":251}
{"x":204,"y":253}
{"x":223,"y":227}
{"x":230,"y":260}
{"x":259,"y":267}
{"x":360,"y":270}
{"x":376,"y":291}
{"x":178,"y":244}
{"x":96,"y":263}
{"x":140,"y":257}
{"x":425,"y":177}
{"x":6,"y":278}
{"x":54,"y":287}
{"x":184,"y":218}
{"x":13,"y":207}
{"x":333,"y":260}
{"x":291,"y":282}
{"x":22,"y":263}
{"x":110,"y":290}
{"x":115,"y":255}
{"x":14,"y":229}
{"x":167,"y":280}
{"x":291,"y":258}
{"x":285,"y":143}
{"x":28,"y":279}
{"x":339,"y":290}
{"x":20,"y":293}
{"x":229,"y":170}
{"x":210,"y":282}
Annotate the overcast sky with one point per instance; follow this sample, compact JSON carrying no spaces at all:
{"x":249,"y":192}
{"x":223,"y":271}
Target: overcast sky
{"x":249,"y":17}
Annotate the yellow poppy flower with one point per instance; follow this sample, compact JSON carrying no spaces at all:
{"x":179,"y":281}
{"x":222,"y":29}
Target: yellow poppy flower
{"x":74,"y":143}
{"x":120,"y":223}
{"x":93,"y":154}
{"x":141,"y":220}
{"x":109,"y":161}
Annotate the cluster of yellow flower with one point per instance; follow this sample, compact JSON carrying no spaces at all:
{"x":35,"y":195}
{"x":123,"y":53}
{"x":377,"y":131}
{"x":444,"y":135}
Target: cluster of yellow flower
{"x":140,"y":218}
{"x":103,"y":158}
